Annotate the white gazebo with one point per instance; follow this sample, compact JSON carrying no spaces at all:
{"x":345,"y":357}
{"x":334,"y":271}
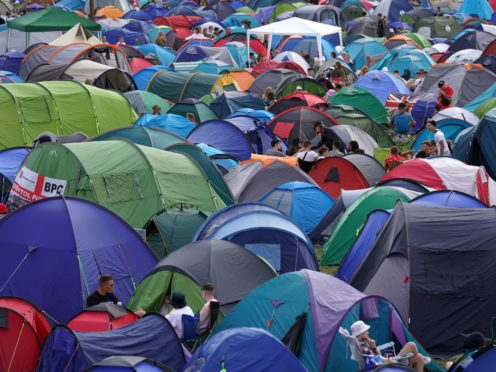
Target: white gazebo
{"x":298,"y":27}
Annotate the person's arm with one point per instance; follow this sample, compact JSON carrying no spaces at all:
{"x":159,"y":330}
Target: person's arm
{"x":445,"y":95}
{"x":91,"y":301}
{"x":441,"y":148}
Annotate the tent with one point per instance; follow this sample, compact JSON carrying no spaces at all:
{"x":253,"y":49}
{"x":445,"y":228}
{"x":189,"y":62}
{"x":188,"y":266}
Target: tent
{"x":102,"y":76}
{"x":59,"y":107}
{"x":143,"y":76}
{"x":344,"y":233}
{"x":142,"y":102}
{"x":310,"y":307}
{"x":153,"y":337}
{"x":124,"y":5}
{"x":448,"y":198}
{"x":270,"y":235}
{"x":101,"y":318}
{"x":275,"y":78}
{"x":135,"y":182}
{"x":479,"y":361}
{"x":297,"y":123}
{"x":472,"y":39}
{"x":450,"y":127}
{"x":474,"y":146}
{"x":134,"y":38}
{"x":297,"y":99}
{"x":233,"y":270}
{"x":308,"y":44}
{"x":251,"y":181}
{"x":417,"y":269}
{"x":296,"y":26}
{"x":76,"y":34}
{"x":305,"y":203}
{"x":200,"y":110}
{"x":174,"y":123}
{"x":456,"y":113}
{"x":348,"y":133}
{"x":444,"y":173}
{"x":23,"y":330}
{"x":443,"y":27}
{"x":11,"y":61}
{"x":467,"y":80}
{"x":351,"y":172}
{"x":285,"y":56}
{"x":307,"y":84}
{"x":242,"y":349}
{"x":479,"y":8}
{"x":422,"y":110}
{"x":10,"y":162}
{"x":382,"y":84}
{"x":112,"y":247}
{"x":229,"y":102}
{"x":365,"y":52}
{"x":393,"y":9}
{"x":361,"y":100}
{"x":128,"y":363}
{"x":50,"y":19}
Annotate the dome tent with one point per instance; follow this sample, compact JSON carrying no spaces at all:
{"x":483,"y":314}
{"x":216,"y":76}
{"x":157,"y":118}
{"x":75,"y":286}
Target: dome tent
{"x":233,"y":270}
{"x":128,"y":364}
{"x":105,"y":243}
{"x":135,"y":182}
{"x":101,"y":318}
{"x":171,"y":122}
{"x":10,"y":162}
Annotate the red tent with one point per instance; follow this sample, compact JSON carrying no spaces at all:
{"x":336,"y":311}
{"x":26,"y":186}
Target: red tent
{"x":255,"y":44}
{"x":23,"y":330}
{"x":298,"y":100}
{"x":101,"y":318}
{"x":138,"y":64}
{"x":272,"y":65}
{"x":176,"y":21}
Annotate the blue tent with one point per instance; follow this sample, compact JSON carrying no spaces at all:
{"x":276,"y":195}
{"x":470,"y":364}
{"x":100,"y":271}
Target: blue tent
{"x":11,"y":61}
{"x":182,"y":10}
{"x":413,"y":63}
{"x":305,"y":203}
{"x":212,"y":67}
{"x":488,"y":94}
{"x":71,"y":4}
{"x":176,"y":124}
{"x":309,"y":45}
{"x":238,"y":19}
{"x":7,"y":77}
{"x":150,"y":337}
{"x":393,"y":9}
{"x":259,"y":114}
{"x":365,"y":51}
{"x":164,"y":55}
{"x":229,"y":102}
{"x":239,"y":52}
{"x":72,"y":239}
{"x":224,"y":162}
{"x":223,"y":136}
{"x":155,"y":10}
{"x":130,"y":37}
{"x":259,"y":135}
{"x":360,"y":248}
{"x":268,"y":234}
{"x":138,"y":15}
{"x":244,"y":349}
{"x":479,"y":8}
{"x":128,"y":364}
{"x":475,"y":146}
{"x":143,"y":77}
{"x":382,"y":84}
{"x":448,"y":198}
{"x":422,"y":110}
{"x":10,"y":161}
{"x":450,"y":127}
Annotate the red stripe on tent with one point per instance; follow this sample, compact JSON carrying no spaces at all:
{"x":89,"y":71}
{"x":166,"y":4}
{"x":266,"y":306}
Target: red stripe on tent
{"x":417,"y":170}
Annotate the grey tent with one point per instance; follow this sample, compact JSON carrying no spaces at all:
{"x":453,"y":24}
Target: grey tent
{"x":251,"y":181}
{"x":468,"y":81}
{"x":275,"y":78}
{"x":436,"y":265}
{"x":101,"y":76}
{"x":321,"y":13}
{"x":364,"y":25}
{"x":348,"y":133}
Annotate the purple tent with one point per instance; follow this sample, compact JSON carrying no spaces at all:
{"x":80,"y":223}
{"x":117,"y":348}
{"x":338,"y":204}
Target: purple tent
{"x":55,"y":249}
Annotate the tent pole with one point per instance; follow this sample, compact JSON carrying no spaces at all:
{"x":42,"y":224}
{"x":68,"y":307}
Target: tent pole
{"x":248,"y":47}
{"x":8,"y":40}
{"x":27,"y":40}
{"x":269,"y":47}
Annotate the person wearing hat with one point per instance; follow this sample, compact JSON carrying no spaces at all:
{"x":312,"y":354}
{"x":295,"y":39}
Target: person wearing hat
{"x":179,"y":308}
{"x":368,"y":346}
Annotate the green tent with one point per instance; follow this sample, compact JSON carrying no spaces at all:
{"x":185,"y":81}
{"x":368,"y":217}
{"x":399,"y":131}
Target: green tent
{"x":135,"y":182}
{"x":363,"y":101}
{"x":171,"y":230}
{"x":202,"y":111}
{"x":349,"y":224}
{"x":345,"y":114}
{"x":419,"y":39}
{"x":143,"y":102}
{"x":157,"y":138}
{"x":50,"y":19}
{"x":308,"y":85}
{"x":485,"y":107}
{"x":61,"y":107}
{"x":445,"y":27}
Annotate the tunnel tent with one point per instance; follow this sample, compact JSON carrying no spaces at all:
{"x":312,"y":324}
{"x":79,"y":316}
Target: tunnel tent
{"x":142,"y":102}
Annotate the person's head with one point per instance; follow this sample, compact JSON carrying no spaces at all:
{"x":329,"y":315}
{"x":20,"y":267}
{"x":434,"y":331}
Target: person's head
{"x":336,"y":145}
{"x":360,"y":330}
{"x":307,"y":145}
{"x":106,"y":284}
{"x":156,"y":109}
{"x":323,"y":151}
{"x":395,"y":150}
{"x":406,"y":74}
{"x":318,"y":127}
{"x":396,"y":72}
{"x":270,"y":96}
{"x":122,"y":40}
{"x":432,"y":125}
{"x":276,"y":144}
{"x":267,"y":90}
{"x":353,"y":146}
{"x":379,"y":15}
{"x":334,"y":55}
{"x":441,"y":84}
{"x":338,"y":87}
{"x":191,"y":117}
{"x":88,"y":82}
{"x":207,"y":291}
{"x":178,"y":300}
{"x":402,"y":107}
{"x":205,"y":33}
{"x":473,"y":341}
{"x":425,"y":146}
{"x":299,"y":89}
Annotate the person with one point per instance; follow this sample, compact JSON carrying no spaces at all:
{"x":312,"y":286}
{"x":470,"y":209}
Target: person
{"x":207,"y":293}
{"x":122,"y":41}
{"x":442,"y":148}
{"x":299,"y":89}
{"x":197,"y":34}
{"x":340,"y":73}
{"x":336,"y":149}
{"x":432,"y":149}
{"x":394,"y":160}
{"x":354,"y":148}
{"x":425,"y":147}
{"x":88,"y":82}
{"x":156,"y":110}
{"x":191,"y":117}
{"x":472,"y":344}
{"x":402,"y":121}
{"x":103,"y":293}
{"x":295,"y":147}
{"x":326,"y":135}
{"x":368,"y":346}
{"x":445,"y":95}
{"x":268,"y":97}
{"x":323,"y":152}
{"x":330,"y":92}
{"x":306,"y":157}
{"x":275,"y":149}
{"x":246,"y":24}
{"x":179,"y":308}
{"x":161,"y":40}
{"x":381,"y":26}
{"x":421,"y":155}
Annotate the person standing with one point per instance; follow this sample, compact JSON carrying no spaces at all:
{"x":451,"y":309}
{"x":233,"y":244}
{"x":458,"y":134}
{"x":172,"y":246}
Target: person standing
{"x":104,"y":292}
{"x":381,"y":26}
{"x":445,"y":98}
{"x":442,"y":148}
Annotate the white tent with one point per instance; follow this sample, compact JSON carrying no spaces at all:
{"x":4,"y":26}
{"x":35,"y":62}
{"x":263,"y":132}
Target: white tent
{"x":296,"y":26}
{"x":77,"y":34}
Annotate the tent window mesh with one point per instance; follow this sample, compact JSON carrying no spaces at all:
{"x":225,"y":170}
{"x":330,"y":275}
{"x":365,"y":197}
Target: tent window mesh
{"x":35,"y":110}
{"x":122,"y":187}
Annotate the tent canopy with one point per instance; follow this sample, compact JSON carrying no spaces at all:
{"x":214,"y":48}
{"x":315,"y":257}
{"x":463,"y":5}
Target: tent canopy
{"x":76,"y":34}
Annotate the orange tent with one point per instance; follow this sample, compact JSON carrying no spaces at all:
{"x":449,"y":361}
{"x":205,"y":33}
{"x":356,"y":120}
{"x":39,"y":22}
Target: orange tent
{"x":266,"y":160}
{"x":109,"y":12}
{"x":243,"y":78}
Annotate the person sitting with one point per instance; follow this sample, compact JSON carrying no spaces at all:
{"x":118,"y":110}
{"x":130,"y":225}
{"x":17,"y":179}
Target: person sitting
{"x":368,"y":346}
{"x":394,"y":160}
{"x":323,"y":152}
{"x":336,"y":149}
{"x":401,"y":121}
{"x":207,"y":292}
{"x":354,"y":148}
{"x":306,"y":157}
{"x":103,"y":293}
{"x":275,"y":149}
{"x":472,"y":343}
{"x":179,"y":308}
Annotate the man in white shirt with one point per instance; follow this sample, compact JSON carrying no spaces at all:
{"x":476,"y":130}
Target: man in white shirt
{"x":207,"y":292}
{"x":441,"y":144}
{"x":179,"y":308}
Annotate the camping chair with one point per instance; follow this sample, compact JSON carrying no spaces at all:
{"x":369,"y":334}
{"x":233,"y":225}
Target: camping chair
{"x":365,"y":361}
{"x":191,"y":338}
